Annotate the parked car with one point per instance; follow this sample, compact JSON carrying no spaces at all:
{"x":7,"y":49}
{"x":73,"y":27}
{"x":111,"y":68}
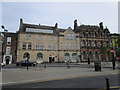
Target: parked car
{"x":26,"y":63}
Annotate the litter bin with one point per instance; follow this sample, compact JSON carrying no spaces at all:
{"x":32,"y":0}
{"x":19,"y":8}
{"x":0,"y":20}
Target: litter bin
{"x":97,"y":66}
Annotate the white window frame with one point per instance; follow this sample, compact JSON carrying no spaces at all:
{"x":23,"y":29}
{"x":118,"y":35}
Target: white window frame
{"x":24,"y":43}
{"x":39,"y":37}
{"x":60,"y":46}
{"x":49,"y":46}
{"x":8,"y":40}
{"x":54,"y":46}
{"x":8,"y":49}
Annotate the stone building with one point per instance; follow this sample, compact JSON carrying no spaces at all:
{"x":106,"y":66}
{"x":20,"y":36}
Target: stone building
{"x":9,"y":48}
{"x":40,"y":42}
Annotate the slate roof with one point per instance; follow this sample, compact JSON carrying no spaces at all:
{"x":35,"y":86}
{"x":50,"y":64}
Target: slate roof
{"x":24,"y":26}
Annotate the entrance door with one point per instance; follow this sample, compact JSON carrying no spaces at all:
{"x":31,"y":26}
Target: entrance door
{"x":7,"y":58}
{"x":7,"y":61}
{"x":74,"y":57}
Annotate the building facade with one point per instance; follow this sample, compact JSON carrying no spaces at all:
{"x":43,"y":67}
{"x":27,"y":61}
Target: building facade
{"x":9,"y":48}
{"x":115,"y":44}
{"x":92,"y":40}
{"x":39,"y":42}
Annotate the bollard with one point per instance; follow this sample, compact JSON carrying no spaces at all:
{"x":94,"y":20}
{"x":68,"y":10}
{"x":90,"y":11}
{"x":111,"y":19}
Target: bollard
{"x":88,"y":60}
{"x":107,"y":84}
{"x":113,"y":65}
{"x":27,"y":67}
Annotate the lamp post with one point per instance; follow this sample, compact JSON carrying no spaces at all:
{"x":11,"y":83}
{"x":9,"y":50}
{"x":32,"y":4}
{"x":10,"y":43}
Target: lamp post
{"x":3,"y":27}
{"x":87,"y":47}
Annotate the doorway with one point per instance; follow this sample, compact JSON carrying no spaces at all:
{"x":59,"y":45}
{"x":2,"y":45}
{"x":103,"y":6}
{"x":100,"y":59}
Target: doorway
{"x":7,"y":59}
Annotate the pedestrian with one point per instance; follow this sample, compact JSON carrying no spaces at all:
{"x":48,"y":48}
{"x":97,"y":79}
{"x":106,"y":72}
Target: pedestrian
{"x":113,"y":64}
{"x":50,"y":59}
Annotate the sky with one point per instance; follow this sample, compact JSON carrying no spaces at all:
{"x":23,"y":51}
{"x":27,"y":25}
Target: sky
{"x":63,"y":13}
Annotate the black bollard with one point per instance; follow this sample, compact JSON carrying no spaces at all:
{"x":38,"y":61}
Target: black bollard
{"x":27,"y":67}
{"x":107,"y":84}
{"x":113,"y":62}
{"x":88,"y":60}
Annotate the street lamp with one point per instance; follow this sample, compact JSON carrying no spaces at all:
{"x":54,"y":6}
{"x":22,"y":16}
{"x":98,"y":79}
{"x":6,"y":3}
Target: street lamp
{"x":4,"y":41}
{"x":3,"y":27}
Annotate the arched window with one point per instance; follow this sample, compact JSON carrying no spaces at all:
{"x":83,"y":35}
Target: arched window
{"x":89,"y":43}
{"x":40,"y":56}
{"x":95,"y":43}
{"x":101,"y":43}
{"x":83,"y":43}
{"x":74,"y":57}
{"x":67,"y":57}
{"x":26,"y":55}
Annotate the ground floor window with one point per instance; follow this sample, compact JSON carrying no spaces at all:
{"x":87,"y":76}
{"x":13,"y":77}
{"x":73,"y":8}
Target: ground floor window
{"x":26,"y":55}
{"x":74,"y":57}
{"x":40,"y":56}
{"x":67,"y":57}
{"x":84,"y":55}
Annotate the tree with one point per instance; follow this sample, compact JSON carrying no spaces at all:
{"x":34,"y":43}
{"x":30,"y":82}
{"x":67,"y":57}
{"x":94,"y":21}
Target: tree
{"x":105,"y":51}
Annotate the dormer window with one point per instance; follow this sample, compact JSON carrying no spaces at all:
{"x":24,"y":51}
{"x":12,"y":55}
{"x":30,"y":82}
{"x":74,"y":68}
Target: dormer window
{"x":69,"y":36}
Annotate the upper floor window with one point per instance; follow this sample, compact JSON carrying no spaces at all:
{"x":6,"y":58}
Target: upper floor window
{"x":95,"y":43}
{"x":83,"y":43}
{"x":24,"y":45}
{"x":39,"y":46}
{"x":51,"y":38}
{"x":27,"y":36}
{"x":69,"y":46}
{"x":78,"y":46}
{"x":73,"y":46}
{"x":39,"y":37}
{"x":66,"y":46}
{"x":8,"y":50}
{"x":29,"y":45}
{"x":60,"y":46}
{"x":69,"y":36}
{"x":49,"y":46}
{"x":89,"y":43}
{"x":53,"y":46}
{"x":101,"y":43}
{"x":8,"y":40}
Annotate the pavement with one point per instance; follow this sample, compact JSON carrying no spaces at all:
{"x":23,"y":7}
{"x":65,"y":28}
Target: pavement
{"x":13,"y":76}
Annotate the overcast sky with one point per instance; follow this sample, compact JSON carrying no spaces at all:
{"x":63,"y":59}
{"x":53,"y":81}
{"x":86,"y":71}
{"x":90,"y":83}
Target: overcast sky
{"x":49,"y":13}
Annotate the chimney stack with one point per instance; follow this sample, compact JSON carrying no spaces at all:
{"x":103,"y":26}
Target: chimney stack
{"x":101,"y":25}
{"x":21,"y":21}
{"x":75,"y":24}
{"x":56,"y":25}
